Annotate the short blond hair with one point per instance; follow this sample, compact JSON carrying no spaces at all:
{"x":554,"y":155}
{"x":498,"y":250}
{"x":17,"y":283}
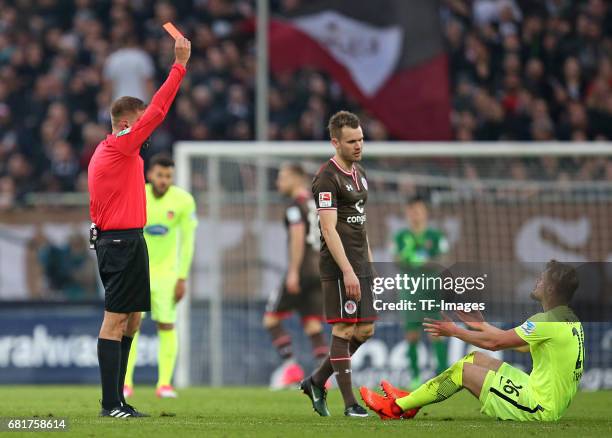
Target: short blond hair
{"x":125,"y":106}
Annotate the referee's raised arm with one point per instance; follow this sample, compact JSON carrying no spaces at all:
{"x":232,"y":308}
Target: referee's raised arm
{"x":118,"y":211}
{"x":157,"y":110}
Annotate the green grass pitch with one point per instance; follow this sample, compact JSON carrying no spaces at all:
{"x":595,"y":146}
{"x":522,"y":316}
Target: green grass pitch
{"x":255,"y":412}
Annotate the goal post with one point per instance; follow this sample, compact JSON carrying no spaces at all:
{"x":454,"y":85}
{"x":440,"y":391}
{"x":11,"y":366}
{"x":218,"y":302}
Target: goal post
{"x":239,"y":254}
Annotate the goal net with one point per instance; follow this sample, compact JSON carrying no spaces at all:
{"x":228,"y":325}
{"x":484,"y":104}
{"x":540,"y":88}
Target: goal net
{"x":518,"y":205}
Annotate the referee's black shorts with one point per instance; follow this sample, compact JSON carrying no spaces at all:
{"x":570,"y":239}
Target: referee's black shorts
{"x":123,"y":263}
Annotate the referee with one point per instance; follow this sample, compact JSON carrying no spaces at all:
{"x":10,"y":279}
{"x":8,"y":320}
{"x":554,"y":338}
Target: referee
{"x":118,"y":210}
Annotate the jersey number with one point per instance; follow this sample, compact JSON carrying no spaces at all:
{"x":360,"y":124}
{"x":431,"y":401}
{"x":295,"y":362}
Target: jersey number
{"x":314,"y":234}
{"x":580,"y":336}
{"x":511,"y":388}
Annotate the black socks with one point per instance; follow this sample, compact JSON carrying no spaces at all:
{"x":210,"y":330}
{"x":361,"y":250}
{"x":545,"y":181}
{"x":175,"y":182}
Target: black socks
{"x":109,"y":358}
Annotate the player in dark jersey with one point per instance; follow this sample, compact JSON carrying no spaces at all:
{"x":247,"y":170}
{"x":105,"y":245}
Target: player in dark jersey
{"x":301,"y":288}
{"x":340,"y":190}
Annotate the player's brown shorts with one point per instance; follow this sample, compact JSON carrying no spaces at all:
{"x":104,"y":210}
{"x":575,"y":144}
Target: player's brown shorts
{"x":308,"y":303}
{"x":338,"y":308}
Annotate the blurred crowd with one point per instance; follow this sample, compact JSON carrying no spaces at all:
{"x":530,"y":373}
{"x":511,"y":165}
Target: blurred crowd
{"x":533,"y":70}
{"x":520,"y":70}
{"x":63,"y":61}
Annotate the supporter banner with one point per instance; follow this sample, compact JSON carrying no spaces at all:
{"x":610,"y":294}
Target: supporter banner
{"x":52,"y":344}
{"x":253,"y":255}
{"x":59,"y":346}
{"x":532,"y":230}
{"x":518,"y":233}
{"x":393,"y":63}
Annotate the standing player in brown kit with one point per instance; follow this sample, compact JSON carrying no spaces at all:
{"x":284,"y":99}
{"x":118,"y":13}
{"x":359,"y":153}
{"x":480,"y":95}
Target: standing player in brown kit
{"x":118,"y":211}
{"x":340,"y":191}
{"x":301,"y":288}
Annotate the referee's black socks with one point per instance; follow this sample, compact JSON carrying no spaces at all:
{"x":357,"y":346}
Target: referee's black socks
{"x":109,"y":358}
{"x":126,"y":344}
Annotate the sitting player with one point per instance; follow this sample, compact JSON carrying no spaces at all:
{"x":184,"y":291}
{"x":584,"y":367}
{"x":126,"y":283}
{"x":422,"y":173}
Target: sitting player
{"x":554,"y":338}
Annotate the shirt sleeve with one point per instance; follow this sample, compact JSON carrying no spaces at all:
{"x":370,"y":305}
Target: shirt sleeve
{"x":293,"y":215}
{"x":187,"y":227}
{"x":534,"y":331}
{"x":131,"y":139}
{"x":325,"y":193}
{"x":441,"y":244}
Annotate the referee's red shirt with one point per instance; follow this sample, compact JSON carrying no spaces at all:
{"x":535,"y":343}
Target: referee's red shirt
{"x":116,"y":171}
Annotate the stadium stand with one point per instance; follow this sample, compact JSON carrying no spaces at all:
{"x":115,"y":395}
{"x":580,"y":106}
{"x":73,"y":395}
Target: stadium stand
{"x":57,"y":79}
{"x":520,"y":70}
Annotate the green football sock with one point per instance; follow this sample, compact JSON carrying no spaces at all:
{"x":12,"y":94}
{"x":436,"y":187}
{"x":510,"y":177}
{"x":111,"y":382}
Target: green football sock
{"x":437,"y":389}
{"x":441,"y":350}
{"x":129,"y":373}
{"x":413,"y":358}
{"x":166,"y":355}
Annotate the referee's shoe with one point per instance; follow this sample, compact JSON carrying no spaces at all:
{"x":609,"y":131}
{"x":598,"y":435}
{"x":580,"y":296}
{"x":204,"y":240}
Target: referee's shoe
{"x":118,"y":412}
{"x":125,"y":411}
{"x":134,"y":412}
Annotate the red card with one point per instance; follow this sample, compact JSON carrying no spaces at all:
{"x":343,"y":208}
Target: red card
{"x":173,"y":31}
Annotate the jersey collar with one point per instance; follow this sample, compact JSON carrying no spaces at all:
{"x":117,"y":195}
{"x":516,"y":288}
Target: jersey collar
{"x":341,"y":169}
{"x":352,"y":173}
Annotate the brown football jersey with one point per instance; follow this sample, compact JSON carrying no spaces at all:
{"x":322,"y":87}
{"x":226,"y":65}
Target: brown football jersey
{"x":346,"y":192}
{"x":302,"y":210}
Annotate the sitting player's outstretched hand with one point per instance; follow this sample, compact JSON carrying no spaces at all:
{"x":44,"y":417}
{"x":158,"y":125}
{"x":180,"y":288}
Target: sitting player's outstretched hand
{"x":438,"y":328}
{"x":474,"y":319}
